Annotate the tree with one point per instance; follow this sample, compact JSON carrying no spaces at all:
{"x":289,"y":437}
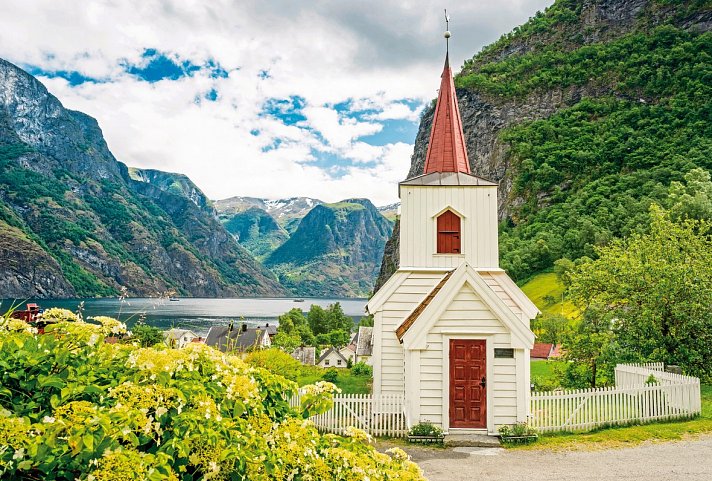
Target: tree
{"x":293,"y":325}
{"x":146,"y":335}
{"x":286,"y":342}
{"x":591,"y":349}
{"x":657,"y":289}
{"x":366,"y":321}
{"x":317,"y":319}
{"x":550,"y":328}
{"x":339,"y":338}
{"x":337,"y":320}
{"x":692,"y":200}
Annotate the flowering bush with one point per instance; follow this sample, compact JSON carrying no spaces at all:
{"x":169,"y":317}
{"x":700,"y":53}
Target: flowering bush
{"x":73,"y":407}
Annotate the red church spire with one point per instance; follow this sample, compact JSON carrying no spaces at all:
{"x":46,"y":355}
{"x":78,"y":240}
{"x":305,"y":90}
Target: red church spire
{"x":446,"y":149}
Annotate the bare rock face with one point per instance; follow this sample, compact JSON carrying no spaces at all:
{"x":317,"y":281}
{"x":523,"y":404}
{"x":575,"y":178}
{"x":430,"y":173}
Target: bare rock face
{"x":26,"y":270}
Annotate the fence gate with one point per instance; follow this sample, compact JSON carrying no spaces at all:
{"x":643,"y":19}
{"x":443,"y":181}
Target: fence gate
{"x":643,"y":392}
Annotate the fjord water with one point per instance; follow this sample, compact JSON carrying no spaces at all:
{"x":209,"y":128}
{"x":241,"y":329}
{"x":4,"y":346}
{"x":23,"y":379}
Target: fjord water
{"x":196,"y":314}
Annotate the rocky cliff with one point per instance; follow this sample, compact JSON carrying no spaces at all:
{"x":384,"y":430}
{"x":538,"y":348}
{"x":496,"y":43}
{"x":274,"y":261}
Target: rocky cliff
{"x":73,"y":222}
{"x":334,"y":252}
{"x":529,"y":101}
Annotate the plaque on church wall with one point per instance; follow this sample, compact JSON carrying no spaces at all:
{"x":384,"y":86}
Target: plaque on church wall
{"x":503,"y":353}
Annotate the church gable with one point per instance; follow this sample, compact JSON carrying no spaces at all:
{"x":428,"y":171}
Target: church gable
{"x":414,"y":335}
{"x":468,"y":312}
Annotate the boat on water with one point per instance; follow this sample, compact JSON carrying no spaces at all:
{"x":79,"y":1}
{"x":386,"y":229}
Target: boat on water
{"x":173,"y":299}
{"x":298,"y":300}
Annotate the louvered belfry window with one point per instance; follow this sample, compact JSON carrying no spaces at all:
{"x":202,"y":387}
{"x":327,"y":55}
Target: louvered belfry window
{"x":448,"y":233}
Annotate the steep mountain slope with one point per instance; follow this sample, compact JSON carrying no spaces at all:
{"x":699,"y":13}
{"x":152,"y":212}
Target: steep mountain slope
{"x":584,"y":115}
{"x":335,"y":251}
{"x":74,"y":223}
{"x":287,"y":212}
{"x":256,"y":231}
{"x":177,"y":184}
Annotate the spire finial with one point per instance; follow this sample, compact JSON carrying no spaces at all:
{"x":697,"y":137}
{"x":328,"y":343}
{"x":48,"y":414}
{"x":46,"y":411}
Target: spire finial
{"x":447,"y":33}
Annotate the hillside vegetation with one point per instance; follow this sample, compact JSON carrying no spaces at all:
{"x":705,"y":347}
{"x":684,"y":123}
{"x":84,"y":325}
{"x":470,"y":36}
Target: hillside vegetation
{"x":589,"y":172}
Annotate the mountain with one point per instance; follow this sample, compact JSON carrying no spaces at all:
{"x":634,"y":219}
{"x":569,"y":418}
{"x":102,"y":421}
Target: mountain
{"x":256,"y":231}
{"x":334,"y":252}
{"x":177,"y":184}
{"x":287,"y":212}
{"x":584,"y":115}
{"x":76,"y":222}
{"x":390,"y":211}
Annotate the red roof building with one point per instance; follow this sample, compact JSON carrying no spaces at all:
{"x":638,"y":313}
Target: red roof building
{"x":446,"y":148}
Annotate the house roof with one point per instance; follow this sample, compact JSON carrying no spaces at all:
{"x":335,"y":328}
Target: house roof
{"x":329,"y":351}
{"x":364,"y":341}
{"x":176,"y":334}
{"x":427,"y":313}
{"x":541,"y":350}
{"x":270,"y":328}
{"x":413,"y":316}
{"x":305,"y":355}
{"x":446,"y":149}
{"x":224,"y":339}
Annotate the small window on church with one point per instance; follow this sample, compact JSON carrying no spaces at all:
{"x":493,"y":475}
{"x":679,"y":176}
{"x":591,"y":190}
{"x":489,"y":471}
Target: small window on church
{"x":448,"y":233}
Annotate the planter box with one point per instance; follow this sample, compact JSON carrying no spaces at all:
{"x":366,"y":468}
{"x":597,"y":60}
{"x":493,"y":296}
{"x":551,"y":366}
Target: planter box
{"x":426,"y":439}
{"x":530,"y":438}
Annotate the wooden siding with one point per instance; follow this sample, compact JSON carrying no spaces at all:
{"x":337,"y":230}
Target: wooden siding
{"x":419,"y":210}
{"x":389,"y":361}
{"x":467,"y":315}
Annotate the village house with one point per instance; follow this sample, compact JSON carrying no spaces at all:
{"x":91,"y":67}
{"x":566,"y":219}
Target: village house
{"x":451,"y":329}
{"x":332,"y":357}
{"x":305,"y":354}
{"x":179,"y":338}
{"x":242,"y":339}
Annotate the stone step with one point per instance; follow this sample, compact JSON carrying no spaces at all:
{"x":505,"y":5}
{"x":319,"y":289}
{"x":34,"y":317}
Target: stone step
{"x":471,"y":440}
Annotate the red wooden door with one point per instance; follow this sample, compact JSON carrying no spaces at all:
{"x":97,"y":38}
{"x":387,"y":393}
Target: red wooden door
{"x":468,"y":383}
{"x":448,"y":233}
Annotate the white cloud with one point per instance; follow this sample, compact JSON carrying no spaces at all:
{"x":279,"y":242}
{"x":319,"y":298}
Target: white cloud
{"x":375,"y":54}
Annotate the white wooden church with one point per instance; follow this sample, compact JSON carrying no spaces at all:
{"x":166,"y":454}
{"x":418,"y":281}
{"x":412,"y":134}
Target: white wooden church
{"x":451,"y":329}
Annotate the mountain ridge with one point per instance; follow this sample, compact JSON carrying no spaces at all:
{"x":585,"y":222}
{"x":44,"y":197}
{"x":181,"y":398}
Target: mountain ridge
{"x":86,"y":228}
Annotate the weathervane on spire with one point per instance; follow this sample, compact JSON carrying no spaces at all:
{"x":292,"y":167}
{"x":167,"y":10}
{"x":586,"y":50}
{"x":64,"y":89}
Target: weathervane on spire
{"x":447,"y":32}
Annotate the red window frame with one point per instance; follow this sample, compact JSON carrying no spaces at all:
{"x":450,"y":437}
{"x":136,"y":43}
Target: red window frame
{"x":449,"y":233}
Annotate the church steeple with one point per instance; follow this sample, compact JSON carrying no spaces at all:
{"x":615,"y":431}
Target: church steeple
{"x":446,"y":150}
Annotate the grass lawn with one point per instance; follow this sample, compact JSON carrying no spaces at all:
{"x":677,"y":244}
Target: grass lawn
{"x":624,"y":435}
{"x":547,"y":284}
{"x":346,"y":381}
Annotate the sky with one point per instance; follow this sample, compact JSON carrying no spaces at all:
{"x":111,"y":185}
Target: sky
{"x":271,"y":98}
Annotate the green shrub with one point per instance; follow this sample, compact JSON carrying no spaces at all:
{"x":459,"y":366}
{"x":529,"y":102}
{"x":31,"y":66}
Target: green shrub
{"x":425,"y":429}
{"x":74,"y":407}
{"x":330,"y":375}
{"x":362,"y":369}
{"x":275,"y":361}
{"x":517,"y":433}
{"x":146,"y":335}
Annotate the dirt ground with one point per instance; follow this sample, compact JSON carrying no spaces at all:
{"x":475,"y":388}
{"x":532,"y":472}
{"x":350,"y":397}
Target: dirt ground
{"x":689,"y":460}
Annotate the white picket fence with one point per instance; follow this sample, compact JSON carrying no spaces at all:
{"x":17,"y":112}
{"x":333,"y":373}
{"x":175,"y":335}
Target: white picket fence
{"x":633,"y":399}
{"x":382,"y":416}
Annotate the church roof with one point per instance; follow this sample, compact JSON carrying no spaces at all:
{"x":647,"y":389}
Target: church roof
{"x":430,"y":308}
{"x":403,"y":328}
{"x":447,"y":178}
{"x":446,"y":149}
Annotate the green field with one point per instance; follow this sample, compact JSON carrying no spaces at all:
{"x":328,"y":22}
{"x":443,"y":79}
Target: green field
{"x":544,"y":285}
{"x":346,"y":381}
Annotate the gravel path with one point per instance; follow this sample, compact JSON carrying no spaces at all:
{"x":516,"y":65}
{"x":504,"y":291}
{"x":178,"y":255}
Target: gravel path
{"x":684,"y":460}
